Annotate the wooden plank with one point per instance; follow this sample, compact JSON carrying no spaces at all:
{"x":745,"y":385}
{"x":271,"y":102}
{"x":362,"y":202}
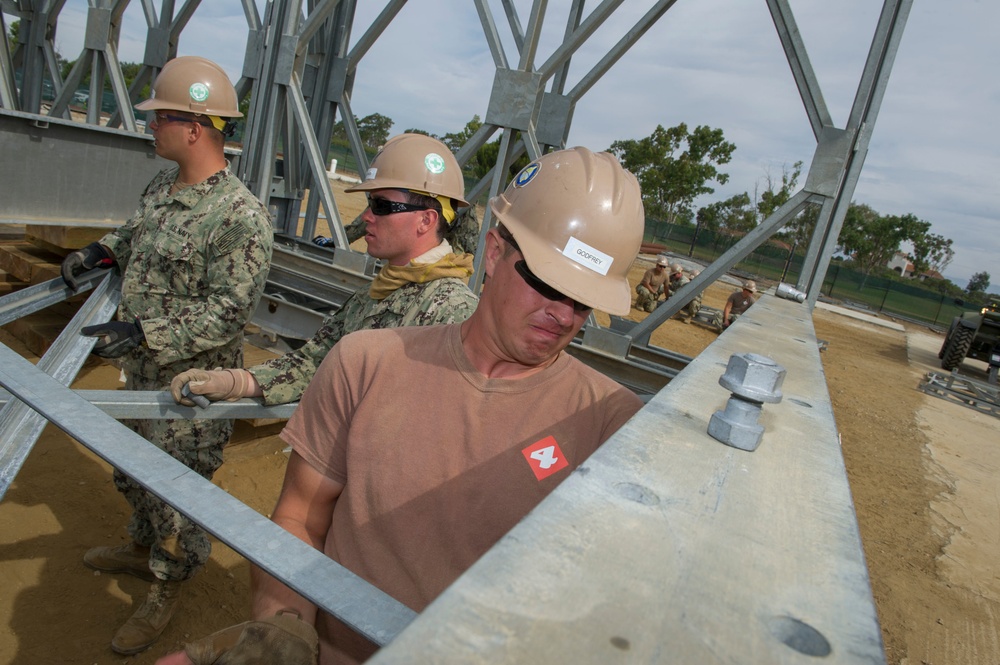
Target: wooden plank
{"x":27,"y":262}
{"x":62,"y":239}
{"x":11,"y":231}
{"x":37,"y":331}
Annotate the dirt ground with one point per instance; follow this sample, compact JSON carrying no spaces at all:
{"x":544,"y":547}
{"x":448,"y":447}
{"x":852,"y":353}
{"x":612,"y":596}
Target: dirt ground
{"x":922,"y":472}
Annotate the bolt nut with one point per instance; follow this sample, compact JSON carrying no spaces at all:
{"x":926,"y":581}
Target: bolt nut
{"x":753,"y":377}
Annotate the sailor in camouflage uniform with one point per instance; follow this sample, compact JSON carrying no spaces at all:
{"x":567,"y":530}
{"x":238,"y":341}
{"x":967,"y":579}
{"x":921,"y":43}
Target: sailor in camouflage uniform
{"x":194,"y":258}
{"x":414,"y":186}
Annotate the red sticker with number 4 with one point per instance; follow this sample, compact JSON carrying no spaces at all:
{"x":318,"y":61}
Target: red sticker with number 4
{"x":544,"y":457}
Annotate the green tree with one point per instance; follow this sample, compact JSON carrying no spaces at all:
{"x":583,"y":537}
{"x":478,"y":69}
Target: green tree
{"x":979,"y":282}
{"x":675,"y":166}
{"x":872,"y":239}
{"x":798,"y":231}
{"x":486,"y":157}
{"x":455,"y":140}
{"x":931,"y":252}
{"x":772,"y":196}
{"x":734,"y":216}
{"x":373,"y":129}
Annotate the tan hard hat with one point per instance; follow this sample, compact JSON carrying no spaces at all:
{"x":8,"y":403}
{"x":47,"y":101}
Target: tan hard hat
{"x":676,"y":268}
{"x":578,"y":218}
{"x":193,"y":84}
{"x":415,"y":162}
{"x":750,"y":286}
{"x":662,"y":261}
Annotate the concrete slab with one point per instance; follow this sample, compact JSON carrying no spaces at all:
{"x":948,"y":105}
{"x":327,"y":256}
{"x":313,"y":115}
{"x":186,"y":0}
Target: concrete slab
{"x":860,"y":316}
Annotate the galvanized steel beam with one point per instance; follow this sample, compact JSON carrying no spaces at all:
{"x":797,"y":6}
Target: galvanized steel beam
{"x":39,"y":296}
{"x":93,"y":174}
{"x":20,"y":427}
{"x":159,"y":405}
{"x":864,"y":112}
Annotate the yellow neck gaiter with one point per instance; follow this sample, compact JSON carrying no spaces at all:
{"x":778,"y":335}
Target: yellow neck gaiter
{"x":392,"y":277}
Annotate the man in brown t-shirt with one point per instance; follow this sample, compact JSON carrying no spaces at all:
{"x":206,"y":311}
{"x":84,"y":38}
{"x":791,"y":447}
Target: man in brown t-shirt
{"x":738,"y":303}
{"x":408,"y":497}
{"x":652,"y":286}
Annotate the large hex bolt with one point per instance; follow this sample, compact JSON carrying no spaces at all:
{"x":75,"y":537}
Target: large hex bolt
{"x":753,"y":379}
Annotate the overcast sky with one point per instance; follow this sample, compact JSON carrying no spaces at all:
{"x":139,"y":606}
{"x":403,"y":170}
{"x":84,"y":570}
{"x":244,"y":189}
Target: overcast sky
{"x":934,"y":151}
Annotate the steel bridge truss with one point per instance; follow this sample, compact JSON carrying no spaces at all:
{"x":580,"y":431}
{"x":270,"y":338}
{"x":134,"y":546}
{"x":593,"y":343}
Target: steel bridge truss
{"x":660,"y":488}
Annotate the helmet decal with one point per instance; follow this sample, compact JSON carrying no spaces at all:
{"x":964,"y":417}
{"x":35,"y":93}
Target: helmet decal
{"x":587,"y":256}
{"x":527,"y":174}
{"x":434,"y":163}
{"x":198,"y":92}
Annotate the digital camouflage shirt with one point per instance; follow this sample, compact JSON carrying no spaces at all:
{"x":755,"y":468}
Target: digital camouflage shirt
{"x":193,"y":269}
{"x":446,"y":300}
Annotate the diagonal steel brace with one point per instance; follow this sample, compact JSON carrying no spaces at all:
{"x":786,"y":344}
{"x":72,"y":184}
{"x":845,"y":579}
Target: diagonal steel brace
{"x":20,"y":426}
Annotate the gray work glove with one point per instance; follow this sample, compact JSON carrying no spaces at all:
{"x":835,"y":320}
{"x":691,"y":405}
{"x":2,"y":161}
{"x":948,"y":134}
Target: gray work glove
{"x":94,"y":255}
{"x":283,"y":638}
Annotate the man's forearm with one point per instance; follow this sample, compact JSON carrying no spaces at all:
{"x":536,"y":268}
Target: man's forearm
{"x":269,"y":596}
{"x":253,"y":389}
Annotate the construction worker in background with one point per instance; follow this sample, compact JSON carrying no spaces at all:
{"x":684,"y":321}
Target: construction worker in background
{"x":690,"y":310}
{"x":413,"y":187}
{"x":737,"y":304}
{"x":677,"y":278}
{"x":194,"y":258}
{"x":652,"y":286}
{"x":408,"y":492}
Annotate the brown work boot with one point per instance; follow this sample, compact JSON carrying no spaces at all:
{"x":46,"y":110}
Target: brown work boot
{"x":147,"y":624}
{"x":129,"y":558}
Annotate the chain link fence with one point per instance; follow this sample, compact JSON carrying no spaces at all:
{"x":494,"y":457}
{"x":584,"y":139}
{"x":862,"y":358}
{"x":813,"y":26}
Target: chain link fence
{"x":776,"y":261}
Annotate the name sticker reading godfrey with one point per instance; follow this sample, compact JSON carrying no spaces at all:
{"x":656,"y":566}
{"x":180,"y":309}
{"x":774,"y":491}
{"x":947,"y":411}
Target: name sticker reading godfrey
{"x":588,"y":256}
{"x":544,"y":457}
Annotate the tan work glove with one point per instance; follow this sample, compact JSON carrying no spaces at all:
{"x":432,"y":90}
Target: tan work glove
{"x":283,"y":638}
{"x":218,"y":384}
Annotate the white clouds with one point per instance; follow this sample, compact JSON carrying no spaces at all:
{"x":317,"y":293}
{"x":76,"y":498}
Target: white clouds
{"x":934,"y":150}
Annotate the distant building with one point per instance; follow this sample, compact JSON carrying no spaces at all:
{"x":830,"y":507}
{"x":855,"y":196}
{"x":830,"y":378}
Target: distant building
{"x":902,"y":265}
{"x":930,"y":274}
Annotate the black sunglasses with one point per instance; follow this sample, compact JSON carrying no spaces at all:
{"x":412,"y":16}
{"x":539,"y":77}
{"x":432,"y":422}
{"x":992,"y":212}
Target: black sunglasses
{"x":381,"y":207}
{"x":532,"y":280}
{"x":166,"y":117}
{"x":544,"y":289}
